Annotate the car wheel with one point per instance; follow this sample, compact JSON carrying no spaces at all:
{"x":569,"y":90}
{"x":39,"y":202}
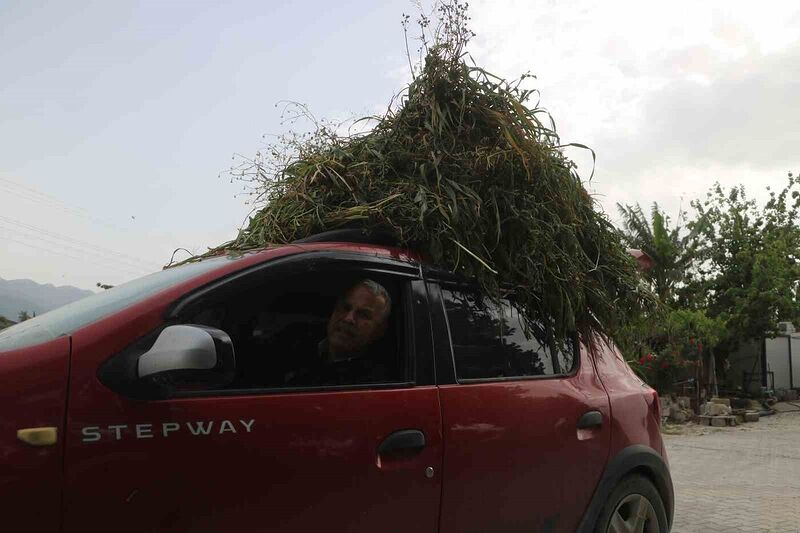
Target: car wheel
{"x":633,"y":507}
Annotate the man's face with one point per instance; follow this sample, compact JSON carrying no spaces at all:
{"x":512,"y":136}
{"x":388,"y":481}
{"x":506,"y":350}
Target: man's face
{"x":357,"y":320}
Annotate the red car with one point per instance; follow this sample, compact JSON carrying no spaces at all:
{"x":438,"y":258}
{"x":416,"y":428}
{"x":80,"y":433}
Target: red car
{"x":217,"y":396}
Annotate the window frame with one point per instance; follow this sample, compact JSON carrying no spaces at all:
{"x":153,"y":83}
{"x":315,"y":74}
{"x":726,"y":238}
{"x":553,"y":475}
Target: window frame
{"x":416,"y":337}
{"x":445,"y":357}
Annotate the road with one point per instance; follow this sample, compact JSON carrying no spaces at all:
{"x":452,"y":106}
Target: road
{"x":741,"y":479}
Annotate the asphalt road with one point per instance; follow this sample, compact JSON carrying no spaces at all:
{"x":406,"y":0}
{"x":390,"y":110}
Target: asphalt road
{"x":741,"y":479}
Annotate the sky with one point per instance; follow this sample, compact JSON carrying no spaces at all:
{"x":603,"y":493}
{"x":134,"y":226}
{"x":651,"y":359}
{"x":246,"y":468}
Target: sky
{"x":118,"y":120}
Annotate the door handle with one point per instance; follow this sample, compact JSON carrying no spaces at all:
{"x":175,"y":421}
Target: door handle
{"x":405,"y":439}
{"x":590,"y":419}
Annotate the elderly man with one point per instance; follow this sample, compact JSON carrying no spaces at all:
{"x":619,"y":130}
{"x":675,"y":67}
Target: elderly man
{"x":358,"y":320}
{"x":352,"y":352}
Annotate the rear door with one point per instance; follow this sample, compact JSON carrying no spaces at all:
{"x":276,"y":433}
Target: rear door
{"x":263,"y":456}
{"x":526,"y":429}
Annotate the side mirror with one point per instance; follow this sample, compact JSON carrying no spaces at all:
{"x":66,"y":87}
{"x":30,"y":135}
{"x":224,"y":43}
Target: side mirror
{"x":189,"y":354}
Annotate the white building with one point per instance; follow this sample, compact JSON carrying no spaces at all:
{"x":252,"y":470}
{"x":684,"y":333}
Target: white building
{"x":772,"y":362}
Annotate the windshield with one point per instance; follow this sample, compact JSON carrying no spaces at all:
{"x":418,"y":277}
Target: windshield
{"x":66,"y":319}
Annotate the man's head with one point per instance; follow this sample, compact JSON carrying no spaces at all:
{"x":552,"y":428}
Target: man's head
{"x":359,"y":318}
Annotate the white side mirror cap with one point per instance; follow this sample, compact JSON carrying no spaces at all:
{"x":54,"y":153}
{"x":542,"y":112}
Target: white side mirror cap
{"x":179,"y":348}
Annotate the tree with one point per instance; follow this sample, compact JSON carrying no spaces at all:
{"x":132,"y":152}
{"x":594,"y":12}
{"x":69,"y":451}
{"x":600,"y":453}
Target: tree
{"x":729,"y":276}
{"x":672,"y":248}
{"x":748,"y":265}
{"x":23,"y":316}
{"x":650,"y":342}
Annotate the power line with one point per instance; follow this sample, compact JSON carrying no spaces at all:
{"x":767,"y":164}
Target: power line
{"x":108,"y":261}
{"x":38,"y":197}
{"x":49,"y":250}
{"x":89,"y":245}
{"x":79,"y":249}
{"x":34,"y":195}
{"x":96,"y":257}
{"x":79,"y":246}
{"x":34,"y":199}
{"x":31,"y":189}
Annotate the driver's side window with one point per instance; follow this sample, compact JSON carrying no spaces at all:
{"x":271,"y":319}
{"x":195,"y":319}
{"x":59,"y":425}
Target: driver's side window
{"x":312,"y":330}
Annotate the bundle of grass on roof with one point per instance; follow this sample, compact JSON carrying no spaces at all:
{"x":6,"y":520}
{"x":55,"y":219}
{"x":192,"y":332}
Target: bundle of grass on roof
{"x":464,"y":172}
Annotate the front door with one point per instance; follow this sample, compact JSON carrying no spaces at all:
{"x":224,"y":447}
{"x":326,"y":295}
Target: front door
{"x":269,"y":453}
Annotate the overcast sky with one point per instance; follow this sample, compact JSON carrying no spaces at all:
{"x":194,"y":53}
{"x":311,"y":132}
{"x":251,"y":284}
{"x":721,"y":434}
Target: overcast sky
{"x":117,"y":118}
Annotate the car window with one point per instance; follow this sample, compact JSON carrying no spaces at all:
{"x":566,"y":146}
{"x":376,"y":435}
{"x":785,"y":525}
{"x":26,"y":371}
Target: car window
{"x":491,"y":340}
{"x":312,"y":330}
{"x":66,"y":319}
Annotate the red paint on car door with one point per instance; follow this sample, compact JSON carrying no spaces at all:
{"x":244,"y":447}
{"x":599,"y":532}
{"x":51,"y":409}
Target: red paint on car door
{"x":514,"y":457}
{"x":307,"y":462}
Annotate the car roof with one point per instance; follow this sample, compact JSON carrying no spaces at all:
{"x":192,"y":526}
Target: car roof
{"x":255,"y":256}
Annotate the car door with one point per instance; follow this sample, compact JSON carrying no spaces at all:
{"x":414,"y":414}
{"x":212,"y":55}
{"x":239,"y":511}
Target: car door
{"x":261,"y":456}
{"x":526,"y":429}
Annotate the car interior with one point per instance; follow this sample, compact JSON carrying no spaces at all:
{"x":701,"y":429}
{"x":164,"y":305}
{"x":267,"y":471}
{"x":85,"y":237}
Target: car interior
{"x":280,"y":324}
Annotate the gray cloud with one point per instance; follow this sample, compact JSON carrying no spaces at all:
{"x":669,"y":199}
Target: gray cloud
{"x":746,"y":114}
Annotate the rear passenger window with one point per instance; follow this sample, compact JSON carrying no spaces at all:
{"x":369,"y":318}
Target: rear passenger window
{"x":490,"y":341}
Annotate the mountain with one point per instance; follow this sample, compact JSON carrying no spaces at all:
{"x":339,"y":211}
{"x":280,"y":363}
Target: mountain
{"x":26,"y":295}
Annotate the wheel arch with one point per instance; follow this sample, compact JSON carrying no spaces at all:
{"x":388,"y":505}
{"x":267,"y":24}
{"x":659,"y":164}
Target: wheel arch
{"x":635,"y":459}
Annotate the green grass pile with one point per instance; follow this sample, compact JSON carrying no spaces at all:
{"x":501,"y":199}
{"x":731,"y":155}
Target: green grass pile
{"x":463,"y":171}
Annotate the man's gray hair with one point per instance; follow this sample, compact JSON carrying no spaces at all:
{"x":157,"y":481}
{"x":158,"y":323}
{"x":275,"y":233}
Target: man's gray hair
{"x":378,"y":290}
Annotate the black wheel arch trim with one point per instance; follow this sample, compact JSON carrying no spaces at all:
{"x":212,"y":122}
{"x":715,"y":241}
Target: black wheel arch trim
{"x":633,"y":459}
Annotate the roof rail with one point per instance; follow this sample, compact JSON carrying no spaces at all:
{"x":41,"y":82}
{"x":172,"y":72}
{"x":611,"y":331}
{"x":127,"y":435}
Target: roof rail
{"x":353,"y":235}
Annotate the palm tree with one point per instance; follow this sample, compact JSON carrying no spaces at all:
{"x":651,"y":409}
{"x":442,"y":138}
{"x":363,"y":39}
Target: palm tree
{"x":671,"y":248}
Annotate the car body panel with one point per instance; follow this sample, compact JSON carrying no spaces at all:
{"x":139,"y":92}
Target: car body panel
{"x":33,"y":395}
{"x":290,"y":461}
{"x":636,"y":442}
{"x":634,"y":404}
{"x":514,"y":457}
{"x":505,"y":455}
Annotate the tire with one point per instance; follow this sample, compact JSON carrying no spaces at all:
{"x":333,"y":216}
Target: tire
{"x":634,"y":493}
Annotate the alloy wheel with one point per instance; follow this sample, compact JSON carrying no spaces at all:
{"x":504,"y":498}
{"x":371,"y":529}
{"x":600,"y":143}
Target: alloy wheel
{"x":634,"y":514}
